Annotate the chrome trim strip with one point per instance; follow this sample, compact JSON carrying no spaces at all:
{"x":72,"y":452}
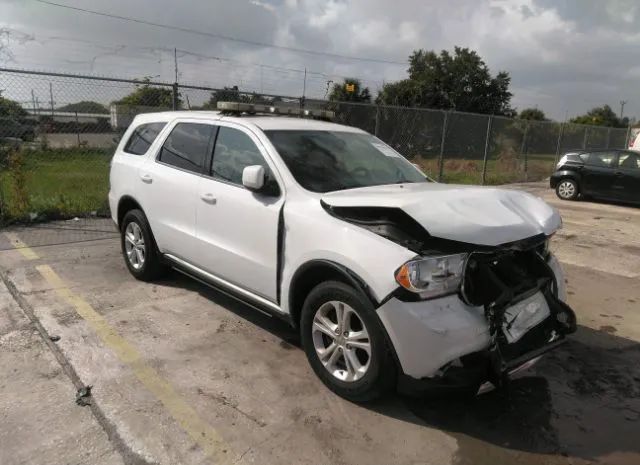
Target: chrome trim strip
{"x":224,"y":283}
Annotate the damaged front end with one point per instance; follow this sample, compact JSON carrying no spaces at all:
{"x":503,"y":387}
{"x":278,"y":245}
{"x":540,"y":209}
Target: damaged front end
{"x":504,"y":312}
{"x":519,"y":293}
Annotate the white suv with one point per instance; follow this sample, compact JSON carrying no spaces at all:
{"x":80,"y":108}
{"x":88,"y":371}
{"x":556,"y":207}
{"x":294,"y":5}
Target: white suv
{"x":393,"y":280}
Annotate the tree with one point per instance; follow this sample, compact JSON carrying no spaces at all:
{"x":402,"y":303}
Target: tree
{"x":11,"y":109}
{"x":533,"y":114}
{"x":350,"y":90}
{"x":226,"y":94}
{"x":601,"y":116}
{"x":461,"y":81}
{"x":85,"y":106}
{"x":148,"y":96}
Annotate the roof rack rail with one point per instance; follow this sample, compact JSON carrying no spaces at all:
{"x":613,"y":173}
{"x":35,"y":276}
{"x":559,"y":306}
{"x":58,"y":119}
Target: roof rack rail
{"x":238,"y":108}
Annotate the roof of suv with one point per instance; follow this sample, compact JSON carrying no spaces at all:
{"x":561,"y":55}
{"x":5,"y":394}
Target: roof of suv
{"x":264,"y":122}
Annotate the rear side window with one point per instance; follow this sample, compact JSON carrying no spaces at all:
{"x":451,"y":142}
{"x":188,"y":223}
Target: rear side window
{"x":630,"y":161}
{"x":187,"y":146}
{"x":142,"y":137}
{"x":601,"y":159}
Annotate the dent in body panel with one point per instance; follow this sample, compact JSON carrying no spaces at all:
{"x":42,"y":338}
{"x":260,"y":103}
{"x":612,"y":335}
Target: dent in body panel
{"x":310,"y":233}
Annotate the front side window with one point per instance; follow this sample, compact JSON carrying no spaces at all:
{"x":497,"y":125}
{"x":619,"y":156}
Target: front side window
{"x":142,"y":137}
{"x":600,"y":159}
{"x":324,"y":161}
{"x":187,"y":146}
{"x":235,"y":151}
{"x":629,"y":161}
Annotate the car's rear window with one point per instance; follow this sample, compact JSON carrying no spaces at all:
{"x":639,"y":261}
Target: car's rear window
{"x":142,"y":137}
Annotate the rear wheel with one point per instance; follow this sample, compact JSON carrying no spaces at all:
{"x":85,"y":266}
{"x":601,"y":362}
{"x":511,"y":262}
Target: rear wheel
{"x":139,"y":248}
{"x":567,"y":189}
{"x":345,"y":343}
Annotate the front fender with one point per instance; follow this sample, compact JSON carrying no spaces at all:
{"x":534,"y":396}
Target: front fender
{"x":311,"y":234}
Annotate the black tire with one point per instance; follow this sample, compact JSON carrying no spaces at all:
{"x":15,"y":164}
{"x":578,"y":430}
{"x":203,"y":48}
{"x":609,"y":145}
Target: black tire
{"x":152,"y":267}
{"x":380,"y":376}
{"x":567,"y":189}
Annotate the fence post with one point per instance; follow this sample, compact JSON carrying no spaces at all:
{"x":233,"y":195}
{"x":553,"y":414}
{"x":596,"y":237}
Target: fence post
{"x":174,"y":95}
{"x":559,"y":144}
{"x":523,"y":148}
{"x":442,"y":140}
{"x":78,"y":129}
{"x":608,"y":137}
{"x":627,"y":142}
{"x":377,"y":125}
{"x":586,"y":135}
{"x":486,"y":150}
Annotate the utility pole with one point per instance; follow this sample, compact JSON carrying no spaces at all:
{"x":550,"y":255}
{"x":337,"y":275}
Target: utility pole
{"x":622,"y":104}
{"x":174,"y":87}
{"x":51,"y":97}
{"x":175,"y":63}
{"x":261,"y":83}
{"x":304,"y":83}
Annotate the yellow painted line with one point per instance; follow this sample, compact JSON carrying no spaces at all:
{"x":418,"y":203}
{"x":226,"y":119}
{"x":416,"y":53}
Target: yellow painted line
{"x":21,"y":247}
{"x":203,"y":434}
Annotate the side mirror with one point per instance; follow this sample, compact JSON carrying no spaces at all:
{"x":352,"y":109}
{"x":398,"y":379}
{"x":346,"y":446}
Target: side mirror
{"x":253,"y":177}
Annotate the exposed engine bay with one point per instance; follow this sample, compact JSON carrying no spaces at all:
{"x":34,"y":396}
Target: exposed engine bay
{"x":501,"y":282}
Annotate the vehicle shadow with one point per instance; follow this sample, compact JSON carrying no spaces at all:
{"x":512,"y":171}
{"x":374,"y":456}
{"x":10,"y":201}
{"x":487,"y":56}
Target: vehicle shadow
{"x":616,"y":203}
{"x":581,"y":400}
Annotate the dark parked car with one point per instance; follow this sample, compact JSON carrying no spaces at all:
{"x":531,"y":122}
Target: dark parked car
{"x":605,"y":174}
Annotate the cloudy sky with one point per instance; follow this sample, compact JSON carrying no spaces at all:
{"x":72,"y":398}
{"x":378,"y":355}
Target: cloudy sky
{"x":564,"y":56}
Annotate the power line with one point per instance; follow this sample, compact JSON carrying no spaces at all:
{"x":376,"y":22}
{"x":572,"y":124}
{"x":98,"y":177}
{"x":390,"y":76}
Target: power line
{"x":223,"y":37}
{"x":117,"y":49}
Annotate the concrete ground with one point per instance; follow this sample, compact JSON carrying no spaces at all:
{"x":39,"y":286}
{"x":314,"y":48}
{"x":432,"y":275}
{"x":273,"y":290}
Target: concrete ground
{"x":40,"y":421}
{"x":182,"y":374}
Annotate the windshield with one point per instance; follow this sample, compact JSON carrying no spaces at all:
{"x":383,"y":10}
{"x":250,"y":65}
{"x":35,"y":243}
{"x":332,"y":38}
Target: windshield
{"x":324,"y":161}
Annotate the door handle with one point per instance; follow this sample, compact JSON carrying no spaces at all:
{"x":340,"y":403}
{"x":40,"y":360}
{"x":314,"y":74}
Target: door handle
{"x":146,"y":178}
{"x":619,"y":173}
{"x":209,"y":198}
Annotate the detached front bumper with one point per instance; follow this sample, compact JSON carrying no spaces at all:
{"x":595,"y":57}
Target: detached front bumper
{"x":446,"y":344}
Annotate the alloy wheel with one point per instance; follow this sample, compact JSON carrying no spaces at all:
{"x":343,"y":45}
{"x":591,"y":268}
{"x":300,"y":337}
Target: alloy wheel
{"x":341,"y":341}
{"x":566,"y":189}
{"x":134,"y":245}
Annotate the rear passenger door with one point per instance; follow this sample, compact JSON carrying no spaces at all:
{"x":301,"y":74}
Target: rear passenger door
{"x":598,"y":176}
{"x":237,"y":229}
{"x":628,"y":176}
{"x":169,"y":183}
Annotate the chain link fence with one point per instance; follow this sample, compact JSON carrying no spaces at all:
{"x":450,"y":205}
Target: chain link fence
{"x":59,"y":131}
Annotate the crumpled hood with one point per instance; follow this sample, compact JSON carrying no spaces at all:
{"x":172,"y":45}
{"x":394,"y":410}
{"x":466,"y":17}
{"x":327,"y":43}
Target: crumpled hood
{"x":472,"y":214}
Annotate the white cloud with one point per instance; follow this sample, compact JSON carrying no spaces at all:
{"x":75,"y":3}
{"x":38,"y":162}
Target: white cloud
{"x":266,"y":6}
{"x":327,"y":16}
{"x":561,"y":55}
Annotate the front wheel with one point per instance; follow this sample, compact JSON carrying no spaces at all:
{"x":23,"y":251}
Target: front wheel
{"x":345,"y":343}
{"x":567,"y":189}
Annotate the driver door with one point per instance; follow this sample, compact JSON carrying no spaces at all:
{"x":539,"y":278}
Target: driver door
{"x":237,"y":229}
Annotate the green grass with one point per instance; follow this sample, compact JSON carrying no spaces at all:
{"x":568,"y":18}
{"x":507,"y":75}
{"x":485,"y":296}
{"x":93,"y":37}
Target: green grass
{"x":59,"y":183}
{"x":465,"y":171}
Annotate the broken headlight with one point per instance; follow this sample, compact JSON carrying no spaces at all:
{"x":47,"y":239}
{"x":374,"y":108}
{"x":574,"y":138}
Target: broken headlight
{"x":432,"y":276}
